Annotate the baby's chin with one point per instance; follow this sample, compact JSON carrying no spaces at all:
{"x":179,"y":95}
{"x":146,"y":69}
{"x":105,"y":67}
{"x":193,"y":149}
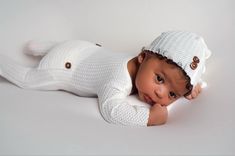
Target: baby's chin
{"x":163,"y":105}
{"x":151,"y":104}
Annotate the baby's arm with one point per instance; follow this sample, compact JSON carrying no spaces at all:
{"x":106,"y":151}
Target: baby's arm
{"x":116,"y":109}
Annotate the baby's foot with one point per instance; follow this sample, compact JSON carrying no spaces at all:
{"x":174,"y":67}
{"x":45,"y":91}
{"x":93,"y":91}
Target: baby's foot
{"x":38,"y":48}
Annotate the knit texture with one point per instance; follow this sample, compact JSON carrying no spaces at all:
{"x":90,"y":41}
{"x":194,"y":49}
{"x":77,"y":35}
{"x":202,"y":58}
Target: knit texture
{"x":92,"y":71}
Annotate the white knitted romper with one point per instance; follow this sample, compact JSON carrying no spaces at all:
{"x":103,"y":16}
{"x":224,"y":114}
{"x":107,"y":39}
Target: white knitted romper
{"x":85,"y":69}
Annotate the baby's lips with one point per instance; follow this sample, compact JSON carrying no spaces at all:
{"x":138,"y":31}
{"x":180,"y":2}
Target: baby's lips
{"x":149,"y":100}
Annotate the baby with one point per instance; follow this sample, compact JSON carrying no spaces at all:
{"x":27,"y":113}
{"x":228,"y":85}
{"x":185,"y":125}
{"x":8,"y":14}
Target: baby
{"x":169,"y":68}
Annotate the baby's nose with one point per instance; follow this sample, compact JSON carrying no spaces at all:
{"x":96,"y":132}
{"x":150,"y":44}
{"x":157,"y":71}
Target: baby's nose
{"x":161,"y":92}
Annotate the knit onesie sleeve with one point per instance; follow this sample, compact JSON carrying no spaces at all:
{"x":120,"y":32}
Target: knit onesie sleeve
{"x":115,"y":109}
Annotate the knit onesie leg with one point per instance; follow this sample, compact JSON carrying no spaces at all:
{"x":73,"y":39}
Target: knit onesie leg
{"x":33,"y":78}
{"x":39,"y":48}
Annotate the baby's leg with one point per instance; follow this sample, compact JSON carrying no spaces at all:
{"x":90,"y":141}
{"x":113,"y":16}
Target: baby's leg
{"x":33,"y":78}
{"x":39,"y":48}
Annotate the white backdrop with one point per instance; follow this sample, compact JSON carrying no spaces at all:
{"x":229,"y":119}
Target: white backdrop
{"x":204,"y":127}
{"x":118,"y":25}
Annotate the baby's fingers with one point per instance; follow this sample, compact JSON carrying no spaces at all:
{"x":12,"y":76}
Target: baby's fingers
{"x":196,"y":90}
{"x":189,"y":97}
{"x":194,"y":94}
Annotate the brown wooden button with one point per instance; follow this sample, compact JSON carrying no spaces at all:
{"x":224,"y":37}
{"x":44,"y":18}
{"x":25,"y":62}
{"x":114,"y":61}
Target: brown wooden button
{"x":196,"y":59}
{"x":193,"y":65}
{"x":68,"y":65}
{"x":195,"y":62}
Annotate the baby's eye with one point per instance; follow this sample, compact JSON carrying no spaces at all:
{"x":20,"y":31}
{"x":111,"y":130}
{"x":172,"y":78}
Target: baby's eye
{"x":172,"y":95}
{"x":159,"y":79}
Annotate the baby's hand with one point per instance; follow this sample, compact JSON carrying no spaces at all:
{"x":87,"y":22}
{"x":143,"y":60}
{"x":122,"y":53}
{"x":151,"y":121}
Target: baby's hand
{"x":158,"y":115}
{"x":195,"y":92}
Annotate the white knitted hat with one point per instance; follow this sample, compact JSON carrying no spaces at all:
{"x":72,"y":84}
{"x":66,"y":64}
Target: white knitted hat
{"x":186,"y":49}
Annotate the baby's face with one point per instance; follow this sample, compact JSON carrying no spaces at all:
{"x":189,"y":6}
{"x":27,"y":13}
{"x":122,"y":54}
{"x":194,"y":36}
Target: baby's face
{"x":158,"y":82}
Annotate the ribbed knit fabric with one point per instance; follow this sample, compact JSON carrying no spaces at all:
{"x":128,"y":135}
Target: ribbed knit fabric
{"x":92,"y":71}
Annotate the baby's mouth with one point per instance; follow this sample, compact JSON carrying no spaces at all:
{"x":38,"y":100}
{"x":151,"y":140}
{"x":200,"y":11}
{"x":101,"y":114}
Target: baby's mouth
{"x":148,"y":99}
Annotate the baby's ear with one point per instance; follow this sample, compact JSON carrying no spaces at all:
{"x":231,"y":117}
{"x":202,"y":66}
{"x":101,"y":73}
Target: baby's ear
{"x":141,"y":57}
